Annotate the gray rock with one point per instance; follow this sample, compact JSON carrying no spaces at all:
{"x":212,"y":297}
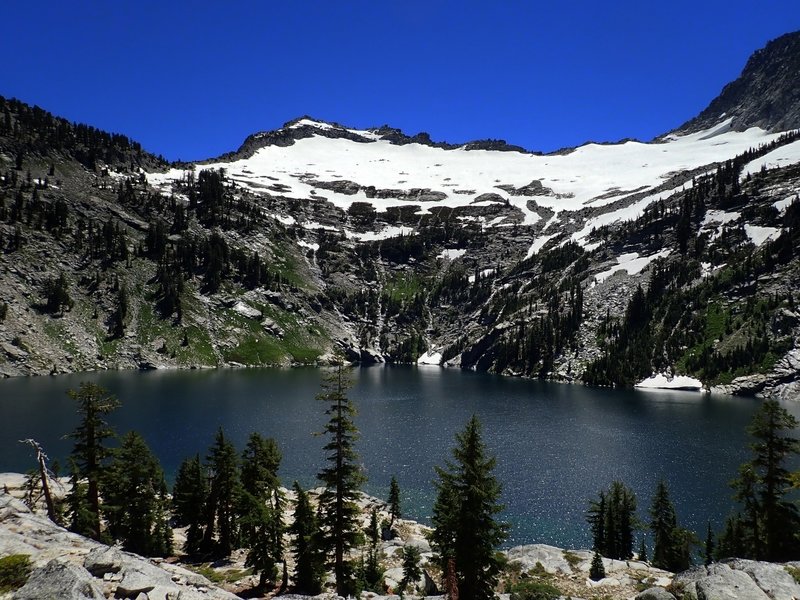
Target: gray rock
{"x":655,"y":593}
{"x":550,"y":557}
{"x":102,"y":560}
{"x":59,"y":580}
{"x":770,"y":577}
{"x":139,"y":576}
{"x":717,"y":582}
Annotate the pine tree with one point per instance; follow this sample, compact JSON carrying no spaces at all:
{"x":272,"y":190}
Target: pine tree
{"x":80,"y":516}
{"x":613,"y":519}
{"x":597,"y":522}
{"x":135,"y":498}
{"x":307,"y":557}
{"x":373,"y":573}
{"x":394,"y":501}
{"x":469,"y":534}
{"x":342,"y":478}
{"x":262,"y":507}
{"x":642,"y":550}
{"x":772,"y":447}
{"x":189,"y":501}
{"x":411,"y":569}
{"x":224,"y":490}
{"x":663,"y":524}
{"x":90,"y":452}
{"x":597,"y":569}
{"x":709,"y":547}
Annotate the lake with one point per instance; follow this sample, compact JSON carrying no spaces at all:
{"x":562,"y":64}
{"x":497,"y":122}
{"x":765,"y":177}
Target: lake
{"x":556,"y":445}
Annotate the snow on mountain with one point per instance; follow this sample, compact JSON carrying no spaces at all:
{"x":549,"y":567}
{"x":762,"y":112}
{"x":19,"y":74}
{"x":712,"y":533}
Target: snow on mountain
{"x":782,"y":156}
{"x":327,"y":167}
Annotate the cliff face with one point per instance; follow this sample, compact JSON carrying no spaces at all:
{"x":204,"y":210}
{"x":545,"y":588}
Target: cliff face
{"x":766,"y":94}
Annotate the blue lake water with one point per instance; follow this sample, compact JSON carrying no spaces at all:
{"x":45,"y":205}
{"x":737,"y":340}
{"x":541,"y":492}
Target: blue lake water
{"x":556,"y":445}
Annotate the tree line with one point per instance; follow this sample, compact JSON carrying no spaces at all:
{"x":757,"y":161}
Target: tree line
{"x":766,"y":528}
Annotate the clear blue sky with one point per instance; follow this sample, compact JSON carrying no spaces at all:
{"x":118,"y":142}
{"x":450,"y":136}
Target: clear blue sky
{"x":191,"y":80}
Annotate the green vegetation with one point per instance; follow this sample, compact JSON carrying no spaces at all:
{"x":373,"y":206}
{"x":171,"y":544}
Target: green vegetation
{"x":14,"y":572}
{"x":534,"y":590}
{"x":766,"y":527}
{"x":221,"y":576}
{"x":612,"y":518}
{"x":465,"y":531}
{"x":794,"y":572}
{"x":342,"y":478}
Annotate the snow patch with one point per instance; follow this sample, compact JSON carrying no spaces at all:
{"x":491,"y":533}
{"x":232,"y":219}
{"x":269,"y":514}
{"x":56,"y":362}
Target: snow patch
{"x":304,"y":244}
{"x":676,"y":382}
{"x":386,"y":233}
{"x":430,"y":358}
{"x":538,"y":244}
{"x":632,"y":263}
{"x":452,"y":253}
{"x":782,"y":205}
{"x":481,"y":275}
{"x":780,"y":157}
{"x":758,"y":235}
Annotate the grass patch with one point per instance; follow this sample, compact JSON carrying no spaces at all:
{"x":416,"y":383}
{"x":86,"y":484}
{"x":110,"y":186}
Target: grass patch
{"x":14,"y":572}
{"x":228,"y":576}
{"x":794,"y":572}
{"x":572,"y":558}
{"x":403,"y":286}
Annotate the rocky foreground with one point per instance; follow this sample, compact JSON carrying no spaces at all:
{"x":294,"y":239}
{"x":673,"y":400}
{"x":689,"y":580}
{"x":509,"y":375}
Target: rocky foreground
{"x":72,"y":567}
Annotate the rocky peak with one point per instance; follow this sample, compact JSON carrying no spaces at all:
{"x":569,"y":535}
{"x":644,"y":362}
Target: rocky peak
{"x":766,"y":94}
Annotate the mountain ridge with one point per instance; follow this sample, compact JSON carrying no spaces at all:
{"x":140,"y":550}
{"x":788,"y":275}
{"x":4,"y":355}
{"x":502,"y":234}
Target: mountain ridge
{"x":571,"y":266}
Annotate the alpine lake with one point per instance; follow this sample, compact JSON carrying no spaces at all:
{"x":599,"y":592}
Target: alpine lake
{"x":556,"y":445}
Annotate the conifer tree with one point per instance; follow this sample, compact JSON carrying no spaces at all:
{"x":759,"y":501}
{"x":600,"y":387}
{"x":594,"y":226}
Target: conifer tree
{"x":307,"y":557}
{"x":223,"y":493}
{"x":772,"y":447}
{"x":188,"y":500}
{"x":262,"y":507}
{"x":613,"y":519}
{"x":465,"y":529}
{"x":342,"y":478}
{"x":642,"y":550}
{"x":597,"y":569}
{"x":80,"y":516}
{"x":709,"y":547}
{"x":90,"y":452}
{"x":394,"y":501}
{"x":135,"y":499}
{"x":411,"y":569}
{"x":663,"y":523}
{"x":373,"y":574}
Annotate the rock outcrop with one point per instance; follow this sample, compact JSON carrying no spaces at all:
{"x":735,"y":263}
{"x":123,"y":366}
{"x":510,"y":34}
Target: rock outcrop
{"x":766,"y":94}
{"x":70,"y":566}
{"x":740,"y":579}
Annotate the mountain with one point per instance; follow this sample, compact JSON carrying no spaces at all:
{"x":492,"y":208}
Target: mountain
{"x":766,"y":94}
{"x":606,"y":263}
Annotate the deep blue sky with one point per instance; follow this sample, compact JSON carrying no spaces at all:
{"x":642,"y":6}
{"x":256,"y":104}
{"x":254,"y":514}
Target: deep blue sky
{"x":191,"y":80}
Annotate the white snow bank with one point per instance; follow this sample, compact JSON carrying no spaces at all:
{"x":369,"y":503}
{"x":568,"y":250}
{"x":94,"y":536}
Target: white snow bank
{"x":386,"y":233}
{"x":632,"y":263}
{"x":676,"y":382}
{"x":304,"y":244}
{"x":452,"y":253}
{"x":430,"y":358}
{"x":484,"y":273}
{"x":538,"y":244}
{"x":759,"y":235}
{"x":782,"y":205}
{"x":780,"y":157}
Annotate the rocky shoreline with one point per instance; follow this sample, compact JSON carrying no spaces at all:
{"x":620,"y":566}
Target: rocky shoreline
{"x":70,"y":566}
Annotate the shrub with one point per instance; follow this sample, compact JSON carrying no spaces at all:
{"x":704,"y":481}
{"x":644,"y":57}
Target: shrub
{"x":14,"y":572}
{"x":534,"y":590}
